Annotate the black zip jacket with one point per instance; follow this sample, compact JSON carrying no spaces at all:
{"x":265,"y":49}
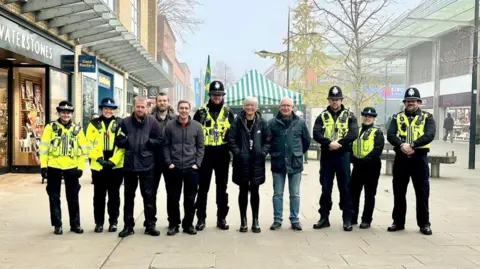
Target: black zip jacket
{"x":183,"y":145}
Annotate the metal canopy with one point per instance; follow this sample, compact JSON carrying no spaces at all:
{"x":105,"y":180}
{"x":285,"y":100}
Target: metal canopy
{"x":430,"y":20}
{"x":93,"y":25}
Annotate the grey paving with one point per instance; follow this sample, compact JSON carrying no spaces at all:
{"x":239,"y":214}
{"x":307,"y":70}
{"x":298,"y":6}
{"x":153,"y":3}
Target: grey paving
{"x":26,"y":239}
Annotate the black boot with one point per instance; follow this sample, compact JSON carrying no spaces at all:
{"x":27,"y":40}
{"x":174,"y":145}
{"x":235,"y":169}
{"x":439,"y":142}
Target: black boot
{"x":395,"y":227}
{"x":347,"y":226}
{"x":58,"y":230}
{"x":152,"y":231}
{"x":243,"y":225}
{"x":77,"y":230}
{"x":200,"y":225}
{"x":126,"y":232}
{"x":426,"y":230}
{"x":98,"y":228}
{"x":324,"y":222}
{"x":256,"y":226}
{"x":173,"y":230}
{"x":222,"y":224}
{"x":112,"y":228}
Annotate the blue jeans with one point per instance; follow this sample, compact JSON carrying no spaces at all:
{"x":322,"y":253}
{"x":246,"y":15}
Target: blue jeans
{"x":294,"y":190}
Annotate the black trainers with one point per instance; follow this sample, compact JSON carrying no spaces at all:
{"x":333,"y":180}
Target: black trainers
{"x":296,"y":226}
{"x":276,"y":225}
{"x":152,"y":231}
{"x":172,"y":230}
{"x":347,"y":226}
{"x":58,"y":230}
{"x":77,"y":230}
{"x":200,"y":225}
{"x":112,"y":228}
{"x":190,"y":230}
{"x":98,"y":228}
{"x":222,"y":224}
{"x":364,"y":225}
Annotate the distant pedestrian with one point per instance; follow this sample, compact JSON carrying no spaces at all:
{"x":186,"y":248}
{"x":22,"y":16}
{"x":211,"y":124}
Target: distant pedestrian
{"x":448,"y":126}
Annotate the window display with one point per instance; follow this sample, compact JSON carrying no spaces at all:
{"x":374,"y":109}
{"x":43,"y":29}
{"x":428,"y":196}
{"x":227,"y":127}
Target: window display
{"x":3,"y":118}
{"x":461,"y":118}
{"x":89,"y":86}
{"x":29,"y":121}
{"x":58,"y":91}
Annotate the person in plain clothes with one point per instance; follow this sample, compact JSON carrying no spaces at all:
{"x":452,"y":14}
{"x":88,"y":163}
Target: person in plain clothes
{"x":249,"y":142}
{"x":140,"y":137}
{"x":290,"y":141}
{"x":448,"y":126}
{"x":183,"y":151}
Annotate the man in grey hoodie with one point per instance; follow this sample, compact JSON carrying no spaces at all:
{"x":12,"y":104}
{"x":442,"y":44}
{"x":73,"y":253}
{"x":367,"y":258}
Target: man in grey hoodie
{"x":183,"y":150}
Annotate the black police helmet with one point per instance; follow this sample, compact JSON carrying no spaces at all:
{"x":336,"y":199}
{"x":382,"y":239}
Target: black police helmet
{"x":216,"y":87}
{"x":108,"y":102}
{"x":335,"y":92}
{"x":369,"y":111}
{"x":412,"y":94}
{"x":65,"y":106}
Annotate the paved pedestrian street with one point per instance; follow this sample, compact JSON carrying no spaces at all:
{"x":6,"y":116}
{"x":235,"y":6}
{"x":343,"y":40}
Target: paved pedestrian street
{"x":27,"y":240}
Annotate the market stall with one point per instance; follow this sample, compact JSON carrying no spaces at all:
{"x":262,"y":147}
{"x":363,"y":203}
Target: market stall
{"x":268,"y":93}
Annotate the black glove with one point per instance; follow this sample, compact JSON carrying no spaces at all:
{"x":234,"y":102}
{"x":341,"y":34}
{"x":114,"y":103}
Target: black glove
{"x":79,"y":173}
{"x":108,"y":165}
{"x":101,"y":161}
{"x":43,"y":171}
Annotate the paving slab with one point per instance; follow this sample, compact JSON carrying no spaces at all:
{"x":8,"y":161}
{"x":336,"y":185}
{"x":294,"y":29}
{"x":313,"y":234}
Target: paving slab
{"x":27,"y":240}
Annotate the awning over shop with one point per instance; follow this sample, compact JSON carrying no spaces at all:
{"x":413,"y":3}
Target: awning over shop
{"x":255,"y":84}
{"x":93,"y":25}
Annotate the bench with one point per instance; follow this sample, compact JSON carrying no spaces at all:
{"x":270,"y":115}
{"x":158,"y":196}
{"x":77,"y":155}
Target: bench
{"x":433,"y":160}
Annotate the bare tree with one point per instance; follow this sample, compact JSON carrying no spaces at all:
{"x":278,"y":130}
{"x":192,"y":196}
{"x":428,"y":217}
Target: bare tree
{"x":352,"y":27}
{"x":222,"y":72}
{"x":181,"y":15}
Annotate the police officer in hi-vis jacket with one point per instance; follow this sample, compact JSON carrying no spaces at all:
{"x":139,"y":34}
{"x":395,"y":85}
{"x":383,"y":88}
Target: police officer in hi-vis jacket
{"x":106,"y":165}
{"x":63,"y":154}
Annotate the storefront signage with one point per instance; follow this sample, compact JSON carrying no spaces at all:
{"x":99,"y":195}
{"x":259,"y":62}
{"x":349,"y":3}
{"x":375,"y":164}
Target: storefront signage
{"x":86,"y":63}
{"x":391,"y":92}
{"x":18,"y":39}
{"x":153,"y":91}
{"x":104,"y":81}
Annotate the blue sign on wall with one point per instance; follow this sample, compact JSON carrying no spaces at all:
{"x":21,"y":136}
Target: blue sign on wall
{"x":105,"y":85}
{"x":86,"y":63}
{"x":196,"y":85}
{"x":391,"y":92}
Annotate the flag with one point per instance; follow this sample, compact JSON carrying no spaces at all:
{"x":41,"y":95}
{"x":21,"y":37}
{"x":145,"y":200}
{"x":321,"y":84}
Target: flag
{"x":208,"y":78}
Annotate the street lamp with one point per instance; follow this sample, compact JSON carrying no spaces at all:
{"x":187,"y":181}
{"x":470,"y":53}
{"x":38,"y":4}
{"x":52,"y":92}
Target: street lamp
{"x":473,"y":109}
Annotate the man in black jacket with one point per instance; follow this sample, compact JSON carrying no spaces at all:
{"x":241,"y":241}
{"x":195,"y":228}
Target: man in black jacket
{"x":183,"y":150}
{"x":410,"y":133}
{"x":335,"y":129}
{"x":163,"y":113}
{"x":140,"y":137}
{"x":366,"y":150}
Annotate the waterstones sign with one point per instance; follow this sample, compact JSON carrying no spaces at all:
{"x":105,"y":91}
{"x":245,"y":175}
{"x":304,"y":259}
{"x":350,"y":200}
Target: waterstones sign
{"x":18,"y":39}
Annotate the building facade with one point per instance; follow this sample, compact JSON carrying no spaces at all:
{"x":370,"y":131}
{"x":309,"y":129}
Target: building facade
{"x":167,"y":56}
{"x":76,"y":50}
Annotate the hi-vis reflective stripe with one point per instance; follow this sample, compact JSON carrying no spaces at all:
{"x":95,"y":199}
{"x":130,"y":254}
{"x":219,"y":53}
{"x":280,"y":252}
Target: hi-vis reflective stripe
{"x":43,"y":152}
{"x":45,"y":144}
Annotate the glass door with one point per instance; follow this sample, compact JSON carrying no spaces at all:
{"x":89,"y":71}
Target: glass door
{"x":4,"y":154}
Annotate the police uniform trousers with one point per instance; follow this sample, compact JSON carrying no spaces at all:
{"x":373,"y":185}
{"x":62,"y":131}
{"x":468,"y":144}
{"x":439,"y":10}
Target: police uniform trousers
{"x":331,"y":165}
{"x":131,"y":181}
{"x":72,"y":187}
{"x":365,"y":176}
{"x":106,"y":181}
{"x":187,"y":177}
{"x":415,"y":167}
{"x":216,"y":158}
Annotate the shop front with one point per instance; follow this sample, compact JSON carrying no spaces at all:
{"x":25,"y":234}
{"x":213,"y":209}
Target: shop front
{"x":31,"y":86}
{"x":133,"y":89}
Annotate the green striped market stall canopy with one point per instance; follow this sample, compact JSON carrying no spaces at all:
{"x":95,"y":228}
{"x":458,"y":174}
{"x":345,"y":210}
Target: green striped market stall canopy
{"x":255,"y":84}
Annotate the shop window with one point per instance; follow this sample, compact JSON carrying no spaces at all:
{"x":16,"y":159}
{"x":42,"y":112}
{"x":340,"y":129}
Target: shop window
{"x":135,"y":20}
{"x":58,"y":91}
{"x":89,"y":86}
{"x":3,"y":118}
{"x":130,"y":97}
{"x":29,"y":114}
{"x":118,"y":97}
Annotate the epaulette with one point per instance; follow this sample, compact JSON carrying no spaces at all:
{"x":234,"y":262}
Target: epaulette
{"x":96,"y":123}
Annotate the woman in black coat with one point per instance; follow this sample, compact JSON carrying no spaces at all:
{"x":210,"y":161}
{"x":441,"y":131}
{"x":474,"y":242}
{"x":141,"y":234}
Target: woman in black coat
{"x":249,"y":142}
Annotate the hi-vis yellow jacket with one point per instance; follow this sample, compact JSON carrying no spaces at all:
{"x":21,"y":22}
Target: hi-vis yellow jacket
{"x":102,"y":138}
{"x":63,"y":147}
